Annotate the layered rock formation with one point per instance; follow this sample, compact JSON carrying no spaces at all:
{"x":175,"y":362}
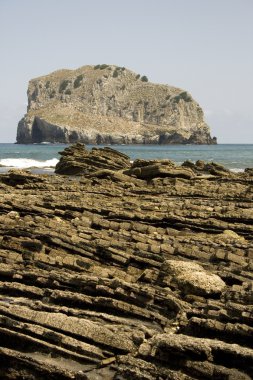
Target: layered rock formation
{"x":114,"y":277}
{"x":106,"y":104}
{"x":78,"y":160}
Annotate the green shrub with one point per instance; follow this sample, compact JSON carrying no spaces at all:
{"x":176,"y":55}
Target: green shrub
{"x":167,"y":97}
{"x":185,"y":96}
{"x":101,"y":67}
{"x":182,"y":96}
{"x":137,"y":76}
{"x":144,"y":78}
{"x":104,"y":66}
{"x":48,"y":84}
{"x":64,"y":84}
{"x":68,"y":92}
{"x":117,"y":70}
{"x":52,"y":94}
{"x":78,"y":81}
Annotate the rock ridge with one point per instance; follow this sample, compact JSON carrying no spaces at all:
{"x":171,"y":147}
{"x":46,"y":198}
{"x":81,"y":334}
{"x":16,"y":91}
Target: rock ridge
{"x":107,"y":104}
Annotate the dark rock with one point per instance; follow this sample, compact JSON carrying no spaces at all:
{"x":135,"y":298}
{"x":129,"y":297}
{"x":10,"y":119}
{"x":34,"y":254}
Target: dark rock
{"x":207,"y":168}
{"x":249,"y":171}
{"x":157,"y":168}
{"x":21,"y":177}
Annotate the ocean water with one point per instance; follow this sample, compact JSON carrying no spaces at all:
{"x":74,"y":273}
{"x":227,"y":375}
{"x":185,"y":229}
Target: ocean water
{"x":235,"y":157}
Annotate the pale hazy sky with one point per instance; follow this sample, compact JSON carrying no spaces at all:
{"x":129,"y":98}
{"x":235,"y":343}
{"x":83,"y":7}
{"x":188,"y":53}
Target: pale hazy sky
{"x":202,"y":46}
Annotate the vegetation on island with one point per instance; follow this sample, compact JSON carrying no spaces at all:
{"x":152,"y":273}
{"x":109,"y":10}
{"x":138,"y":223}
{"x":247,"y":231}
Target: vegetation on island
{"x":101,"y":67}
{"x":182,"y":96}
{"x":144,"y":78}
{"x":64,"y":84}
{"x":78,"y":81}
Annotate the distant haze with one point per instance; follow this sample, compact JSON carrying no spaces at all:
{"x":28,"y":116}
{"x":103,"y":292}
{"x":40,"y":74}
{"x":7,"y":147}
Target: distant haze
{"x":204,"y":47}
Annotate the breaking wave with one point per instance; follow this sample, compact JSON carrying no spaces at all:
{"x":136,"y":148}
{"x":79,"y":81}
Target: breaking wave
{"x":25,"y":163}
{"x":237,"y":170}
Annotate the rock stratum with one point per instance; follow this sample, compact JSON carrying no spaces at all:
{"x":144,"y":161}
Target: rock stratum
{"x":107,"y":104}
{"x":112,"y":276}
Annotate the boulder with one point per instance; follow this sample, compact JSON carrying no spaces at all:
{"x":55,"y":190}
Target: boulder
{"x":192,"y":278}
{"x":230,"y":235}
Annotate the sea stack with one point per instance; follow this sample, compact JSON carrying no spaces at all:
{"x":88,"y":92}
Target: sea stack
{"x":107,"y":104}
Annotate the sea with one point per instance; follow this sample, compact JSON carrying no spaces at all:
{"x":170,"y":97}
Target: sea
{"x":43,"y":157}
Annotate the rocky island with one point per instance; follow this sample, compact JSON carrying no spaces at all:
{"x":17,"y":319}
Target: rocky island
{"x":108,"y":104}
{"x":126,"y":270}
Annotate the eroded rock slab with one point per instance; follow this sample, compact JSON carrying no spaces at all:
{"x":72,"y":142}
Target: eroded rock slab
{"x":77,"y":160}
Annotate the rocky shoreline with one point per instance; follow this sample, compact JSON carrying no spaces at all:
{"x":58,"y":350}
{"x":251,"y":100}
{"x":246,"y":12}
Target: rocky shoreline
{"x":126,"y":270}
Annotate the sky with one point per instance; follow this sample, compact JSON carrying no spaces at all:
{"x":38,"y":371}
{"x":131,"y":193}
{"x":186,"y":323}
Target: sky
{"x":202,"y":46}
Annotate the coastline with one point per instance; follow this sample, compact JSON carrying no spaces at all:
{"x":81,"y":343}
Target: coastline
{"x":232,"y":156}
{"x":114,"y":275}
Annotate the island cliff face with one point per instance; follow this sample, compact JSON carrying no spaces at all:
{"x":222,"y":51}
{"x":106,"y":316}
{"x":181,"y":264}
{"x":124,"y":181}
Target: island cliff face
{"x":107,"y":104}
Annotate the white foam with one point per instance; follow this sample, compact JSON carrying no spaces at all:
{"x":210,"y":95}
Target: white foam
{"x":237,"y":170}
{"x":25,"y":163}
